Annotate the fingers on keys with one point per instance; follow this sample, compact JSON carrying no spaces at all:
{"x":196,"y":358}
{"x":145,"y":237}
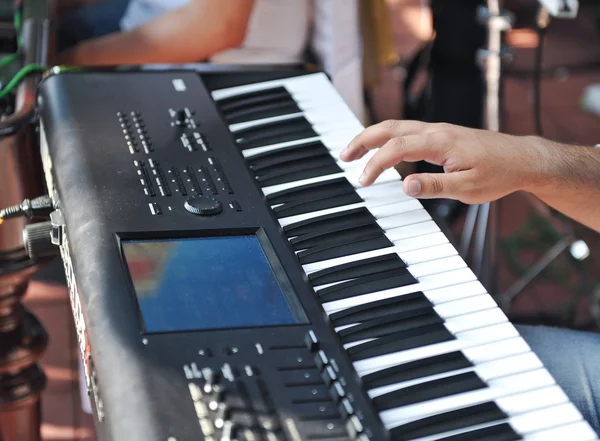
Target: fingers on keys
{"x":377,"y":135}
{"x":408,"y":148}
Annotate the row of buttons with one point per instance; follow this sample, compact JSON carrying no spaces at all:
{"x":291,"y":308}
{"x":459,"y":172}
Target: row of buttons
{"x":193,"y":141}
{"x":230,"y":406}
{"x":133,"y":131}
{"x":329,"y":370}
{"x":221,"y":178}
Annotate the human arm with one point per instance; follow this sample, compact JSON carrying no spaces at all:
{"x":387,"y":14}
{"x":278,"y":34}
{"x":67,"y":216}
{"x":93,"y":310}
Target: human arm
{"x":191,"y":33}
{"x":482,"y":166}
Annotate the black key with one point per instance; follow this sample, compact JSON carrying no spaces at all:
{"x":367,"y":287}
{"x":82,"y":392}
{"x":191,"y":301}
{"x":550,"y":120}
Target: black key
{"x":501,"y":432}
{"x":286,"y":154}
{"x":372,"y":265}
{"x":265,"y":110}
{"x":293,"y":172}
{"x":256,"y":97}
{"x":290,"y":129}
{"x":291,"y":165}
{"x":310,"y":192}
{"x":335,"y":193}
{"x":299,"y":175}
{"x":372,"y":242}
{"x":449,"y":421}
{"x":331,"y":222}
{"x":339,"y":237}
{"x":401,"y":341}
{"x":359,"y":219}
{"x":431,"y":390}
{"x":367,"y":284}
{"x":373,"y":310}
{"x":390,"y":325}
{"x":417,"y":369}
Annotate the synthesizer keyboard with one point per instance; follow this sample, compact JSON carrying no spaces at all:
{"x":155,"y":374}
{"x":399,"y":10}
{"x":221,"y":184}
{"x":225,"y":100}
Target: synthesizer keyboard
{"x":231,"y":280}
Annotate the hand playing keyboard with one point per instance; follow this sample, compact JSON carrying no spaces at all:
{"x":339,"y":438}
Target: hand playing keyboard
{"x":480,"y":166}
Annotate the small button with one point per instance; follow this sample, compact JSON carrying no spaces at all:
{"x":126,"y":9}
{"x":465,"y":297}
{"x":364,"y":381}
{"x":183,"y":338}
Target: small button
{"x":337,"y":392}
{"x":235,"y":205}
{"x":354,"y":427}
{"x":230,"y":350}
{"x":345,"y":408}
{"x":155,"y":208}
{"x":311,"y":341}
{"x":321,"y":360}
{"x":328,"y":375}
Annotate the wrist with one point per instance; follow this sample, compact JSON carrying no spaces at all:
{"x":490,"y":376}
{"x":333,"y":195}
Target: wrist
{"x":536,"y":166}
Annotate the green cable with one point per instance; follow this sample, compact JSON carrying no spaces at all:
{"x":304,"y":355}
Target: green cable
{"x":31,"y":69}
{"x":19,"y":76}
{"x":18,"y":26}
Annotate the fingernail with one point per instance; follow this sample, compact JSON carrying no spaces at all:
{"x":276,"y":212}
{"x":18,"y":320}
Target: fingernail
{"x":362,"y":179}
{"x":414,"y":188}
{"x":344,"y":152}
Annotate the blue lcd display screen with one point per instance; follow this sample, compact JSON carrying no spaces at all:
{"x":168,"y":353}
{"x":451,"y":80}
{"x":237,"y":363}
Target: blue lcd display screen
{"x":206,"y":283}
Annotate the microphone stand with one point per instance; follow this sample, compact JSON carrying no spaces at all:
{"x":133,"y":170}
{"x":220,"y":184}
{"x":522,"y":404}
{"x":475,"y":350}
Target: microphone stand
{"x":481,"y":220}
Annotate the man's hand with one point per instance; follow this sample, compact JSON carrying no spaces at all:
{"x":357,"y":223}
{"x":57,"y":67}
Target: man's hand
{"x":480,"y":166}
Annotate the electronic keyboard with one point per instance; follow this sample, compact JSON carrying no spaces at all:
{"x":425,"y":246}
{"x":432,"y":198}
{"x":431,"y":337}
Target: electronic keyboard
{"x":231,"y":280}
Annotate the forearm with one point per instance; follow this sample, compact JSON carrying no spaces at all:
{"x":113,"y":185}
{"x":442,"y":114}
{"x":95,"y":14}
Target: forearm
{"x":191,"y":33}
{"x":569,"y":181}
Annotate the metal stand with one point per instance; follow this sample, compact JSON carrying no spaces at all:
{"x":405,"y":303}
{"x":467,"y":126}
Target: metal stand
{"x":22,"y":337}
{"x":481,"y":219}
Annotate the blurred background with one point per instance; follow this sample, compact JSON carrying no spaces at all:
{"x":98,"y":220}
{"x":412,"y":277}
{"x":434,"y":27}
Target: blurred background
{"x":418,"y":76}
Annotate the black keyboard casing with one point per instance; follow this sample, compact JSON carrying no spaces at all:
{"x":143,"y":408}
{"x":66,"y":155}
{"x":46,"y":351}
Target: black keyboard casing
{"x":138,"y":381}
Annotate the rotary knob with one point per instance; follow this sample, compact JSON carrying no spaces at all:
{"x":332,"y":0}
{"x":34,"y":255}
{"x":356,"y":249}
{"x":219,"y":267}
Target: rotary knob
{"x":37,"y":239}
{"x":203,"y":206}
{"x":180,"y":117}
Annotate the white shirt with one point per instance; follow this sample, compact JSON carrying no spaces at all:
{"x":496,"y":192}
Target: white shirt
{"x":279,"y":31}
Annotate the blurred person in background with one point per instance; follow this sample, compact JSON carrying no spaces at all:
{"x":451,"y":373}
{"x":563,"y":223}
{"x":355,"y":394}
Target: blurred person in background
{"x":132,"y":32}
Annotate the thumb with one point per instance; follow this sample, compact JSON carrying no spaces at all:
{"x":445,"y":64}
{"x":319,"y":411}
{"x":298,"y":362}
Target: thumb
{"x":434,"y":185}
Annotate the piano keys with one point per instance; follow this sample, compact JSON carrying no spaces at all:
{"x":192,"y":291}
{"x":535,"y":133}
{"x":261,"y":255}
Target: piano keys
{"x":436,"y":355}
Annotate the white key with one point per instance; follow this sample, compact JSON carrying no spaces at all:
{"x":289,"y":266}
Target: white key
{"x":497,"y":388}
{"x":538,"y":400}
{"x":437,"y":266}
{"x":413,"y":230}
{"x":406,"y":208}
{"x":465,"y":340}
{"x":546,"y":418}
{"x":400,"y":220}
{"x":523,"y":403}
{"x":488,"y":371}
{"x":579,"y":431}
